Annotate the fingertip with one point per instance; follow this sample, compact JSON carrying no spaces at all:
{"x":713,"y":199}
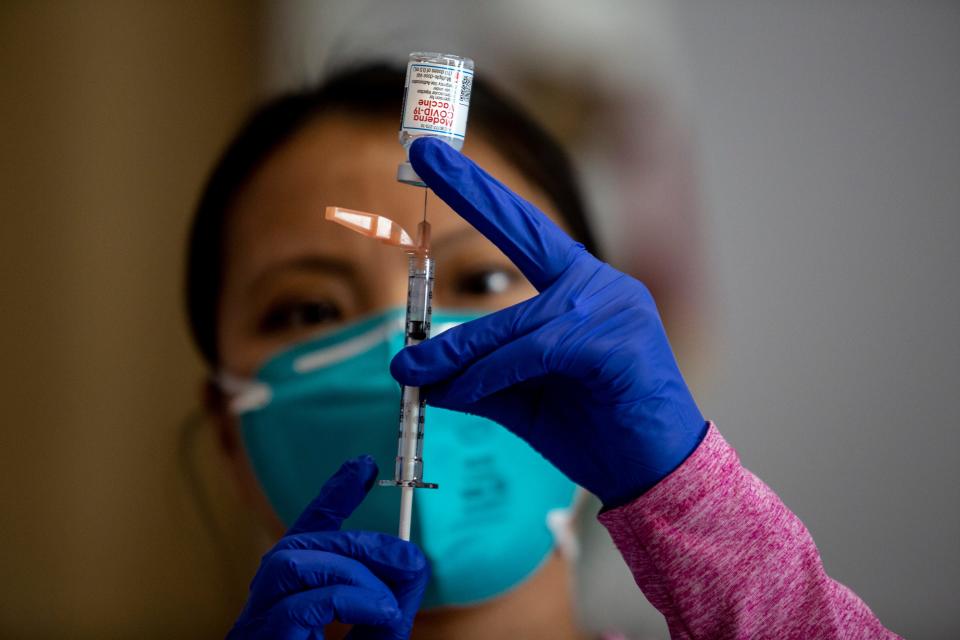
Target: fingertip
{"x":402,"y":368}
{"x":364,"y":467}
{"x":365,"y":460}
{"x":411,"y":554}
{"x":340,"y":495}
{"x":398,"y":365}
{"x":419,"y":558}
{"x":437,"y":164}
{"x":369,"y":470}
{"x":392,"y":612}
{"x":387,"y":608}
{"x":427,"y":151}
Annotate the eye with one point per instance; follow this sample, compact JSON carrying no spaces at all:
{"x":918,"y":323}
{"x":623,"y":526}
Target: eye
{"x":297,"y":315}
{"x":490,"y":281}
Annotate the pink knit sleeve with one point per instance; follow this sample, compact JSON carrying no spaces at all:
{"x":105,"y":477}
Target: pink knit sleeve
{"x":716,"y":551}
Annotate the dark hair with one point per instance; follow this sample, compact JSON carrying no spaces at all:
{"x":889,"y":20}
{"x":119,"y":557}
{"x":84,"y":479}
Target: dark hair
{"x":371,"y":90}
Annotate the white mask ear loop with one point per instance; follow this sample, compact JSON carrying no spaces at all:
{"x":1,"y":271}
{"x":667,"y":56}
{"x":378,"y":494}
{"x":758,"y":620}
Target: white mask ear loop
{"x":561,"y":525}
{"x":244,"y":394}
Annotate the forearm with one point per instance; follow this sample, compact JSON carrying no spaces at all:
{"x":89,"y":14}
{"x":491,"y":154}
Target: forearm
{"x":717,"y":552}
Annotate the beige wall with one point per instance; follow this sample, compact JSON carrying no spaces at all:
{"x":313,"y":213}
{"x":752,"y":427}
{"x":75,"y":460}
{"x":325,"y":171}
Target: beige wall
{"x":110,"y":115}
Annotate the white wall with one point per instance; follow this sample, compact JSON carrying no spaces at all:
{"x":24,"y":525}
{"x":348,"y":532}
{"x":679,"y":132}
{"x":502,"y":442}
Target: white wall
{"x":830,"y":152}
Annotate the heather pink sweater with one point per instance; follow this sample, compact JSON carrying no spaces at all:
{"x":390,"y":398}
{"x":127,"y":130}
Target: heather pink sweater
{"x":718,"y":553}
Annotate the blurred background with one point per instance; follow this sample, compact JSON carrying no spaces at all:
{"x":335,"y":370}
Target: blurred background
{"x":783,"y":174}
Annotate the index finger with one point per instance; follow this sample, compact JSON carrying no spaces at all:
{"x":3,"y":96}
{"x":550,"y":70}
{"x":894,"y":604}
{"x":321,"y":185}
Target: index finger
{"x":537,"y":246}
{"x":339,"y":497}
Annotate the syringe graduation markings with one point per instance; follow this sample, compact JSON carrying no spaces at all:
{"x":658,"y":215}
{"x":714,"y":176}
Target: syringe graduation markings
{"x":408,"y":472}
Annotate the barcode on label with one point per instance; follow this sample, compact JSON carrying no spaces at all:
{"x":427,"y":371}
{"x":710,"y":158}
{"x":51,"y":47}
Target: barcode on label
{"x":466,"y":84}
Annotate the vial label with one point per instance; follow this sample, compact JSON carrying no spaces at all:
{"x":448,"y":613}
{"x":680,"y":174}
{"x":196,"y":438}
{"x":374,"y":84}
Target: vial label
{"x":437,"y":98}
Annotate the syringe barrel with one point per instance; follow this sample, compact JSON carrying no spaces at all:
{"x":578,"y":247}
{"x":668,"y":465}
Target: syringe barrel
{"x":409,"y":467}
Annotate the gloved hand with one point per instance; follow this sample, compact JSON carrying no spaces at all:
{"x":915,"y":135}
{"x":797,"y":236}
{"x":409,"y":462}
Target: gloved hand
{"x":317,"y":573}
{"x":582,"y":371}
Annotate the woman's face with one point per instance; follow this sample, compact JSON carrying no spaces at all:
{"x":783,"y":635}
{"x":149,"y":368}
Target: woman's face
{"x":288,"y":273}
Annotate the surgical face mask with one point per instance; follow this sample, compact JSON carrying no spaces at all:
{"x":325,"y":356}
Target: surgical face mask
{"x":318,"y":403}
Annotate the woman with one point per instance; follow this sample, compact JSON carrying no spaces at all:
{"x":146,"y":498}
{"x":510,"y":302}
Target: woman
{"x":554,"y":369}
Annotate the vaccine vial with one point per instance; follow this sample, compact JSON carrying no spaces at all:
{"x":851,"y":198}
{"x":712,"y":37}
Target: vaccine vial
{"x":436,"y":100}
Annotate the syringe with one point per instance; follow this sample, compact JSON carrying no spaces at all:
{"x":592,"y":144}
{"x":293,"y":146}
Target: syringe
{"x":408,"y":471}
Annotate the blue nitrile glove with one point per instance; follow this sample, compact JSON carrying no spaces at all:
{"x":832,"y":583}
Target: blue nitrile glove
{"x":583,"y":371}
{"x":316,"y":573}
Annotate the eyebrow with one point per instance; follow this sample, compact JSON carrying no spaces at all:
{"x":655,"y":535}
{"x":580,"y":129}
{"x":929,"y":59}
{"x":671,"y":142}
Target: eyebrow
{"x":456,"y":236}
{"x":315,"y":263}
{"x":336,"y":266}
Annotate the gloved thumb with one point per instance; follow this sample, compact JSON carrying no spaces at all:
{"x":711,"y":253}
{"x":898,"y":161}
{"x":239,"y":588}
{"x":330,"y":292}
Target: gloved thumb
{"x":338,"y":498}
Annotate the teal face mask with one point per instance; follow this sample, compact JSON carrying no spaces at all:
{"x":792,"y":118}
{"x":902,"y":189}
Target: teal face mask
{"x":318,"y":403}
